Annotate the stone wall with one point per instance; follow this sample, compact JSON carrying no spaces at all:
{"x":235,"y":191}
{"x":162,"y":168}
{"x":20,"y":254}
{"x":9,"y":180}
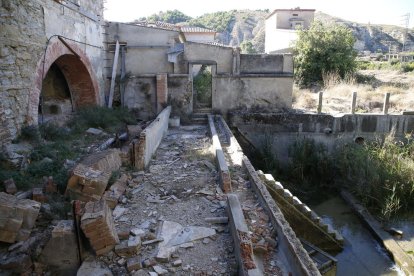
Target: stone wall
{"x":25,"y":29}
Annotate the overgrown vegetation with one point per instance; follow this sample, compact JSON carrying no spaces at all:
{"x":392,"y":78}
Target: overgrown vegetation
{"x":323,"y":49}
{"x":54,"y":147}
{"x":173,"y":17}
{"x":202,"y":85}
{"x":247,"y":47}
{"x":386,"y":65}
{"x":380,"y":173}
{"x":217,"y":21}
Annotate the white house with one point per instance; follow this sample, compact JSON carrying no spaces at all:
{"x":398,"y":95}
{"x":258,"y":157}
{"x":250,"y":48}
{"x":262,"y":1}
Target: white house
{"x":281,"y":28}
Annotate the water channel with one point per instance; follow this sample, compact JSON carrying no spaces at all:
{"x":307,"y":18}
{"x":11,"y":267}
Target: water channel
{"x":362,"y":254}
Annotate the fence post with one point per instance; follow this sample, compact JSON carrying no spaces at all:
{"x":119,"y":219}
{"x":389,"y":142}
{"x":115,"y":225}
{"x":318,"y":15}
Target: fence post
{"x":386,"y":103}
{"x":353,"y":102}
{"x":320,"y":102}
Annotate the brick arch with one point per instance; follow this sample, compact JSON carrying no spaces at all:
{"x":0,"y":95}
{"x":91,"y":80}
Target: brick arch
{"x":77,"y":70}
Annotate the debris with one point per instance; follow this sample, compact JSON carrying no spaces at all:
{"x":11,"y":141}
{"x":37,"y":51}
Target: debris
{"x":137,"y":232}
{"x":118,"y":212}
{"x":92,"y":267}
{"x":134,"y":264}
{"x":159,"y":270}
{"x":49,"y":185}
{"x":152,"y":241}
{"x":115,"y":192}
{"x":94,"y":131}
{"x":209,"y":165}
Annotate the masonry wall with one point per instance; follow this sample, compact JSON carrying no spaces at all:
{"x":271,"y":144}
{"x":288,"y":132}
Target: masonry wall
{"x":244,"y":92}
{"x":282,"y":130}
{"x":25,"y":27}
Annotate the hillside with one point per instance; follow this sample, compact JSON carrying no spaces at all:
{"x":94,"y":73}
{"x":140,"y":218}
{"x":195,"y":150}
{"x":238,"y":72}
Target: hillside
{"x":237,"y":26}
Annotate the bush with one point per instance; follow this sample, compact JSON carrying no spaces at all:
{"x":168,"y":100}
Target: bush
{"x":102,"y":117}
{"x":407,"y":67}
{"x":323,"y":49}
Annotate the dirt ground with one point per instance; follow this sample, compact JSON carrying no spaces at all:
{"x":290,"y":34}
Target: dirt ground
{"x":370,"y":93}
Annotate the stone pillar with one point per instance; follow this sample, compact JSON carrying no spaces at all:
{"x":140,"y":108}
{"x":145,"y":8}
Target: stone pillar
{"x":162,"y":91}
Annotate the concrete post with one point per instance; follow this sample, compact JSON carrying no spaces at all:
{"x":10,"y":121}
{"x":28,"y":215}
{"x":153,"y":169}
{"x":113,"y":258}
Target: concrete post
{"x":353,"y":102}
{"x":320,"y":94}
{"x":386,"y":103}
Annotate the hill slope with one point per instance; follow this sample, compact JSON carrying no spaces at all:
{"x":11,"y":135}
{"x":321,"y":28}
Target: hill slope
{"x":237,"y":26}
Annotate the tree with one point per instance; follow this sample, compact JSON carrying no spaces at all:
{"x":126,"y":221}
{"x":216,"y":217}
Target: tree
{"x":321,"y":50}
{"x":247,"y":47}
{"x":172,"y":17}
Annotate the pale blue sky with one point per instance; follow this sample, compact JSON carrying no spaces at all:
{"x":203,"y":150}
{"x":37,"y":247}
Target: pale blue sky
{"x":363,"y":11}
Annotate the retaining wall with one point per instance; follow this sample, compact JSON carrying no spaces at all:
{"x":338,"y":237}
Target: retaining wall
{"x":149,"y":139}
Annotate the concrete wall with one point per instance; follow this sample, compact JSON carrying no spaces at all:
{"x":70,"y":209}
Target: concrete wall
{"x":261,"y":64}
{"x":246,"y":92}
{"x":150,"y":138}
{"x":201,"y":53}
{"x":200,"y":37}
{"x":279,"y":40}
{"x":146,"y":48}
{"x":282,"y":130}
{"x":285,"y":18}
{"x":25,"y":29}
{"x":140,"y":95}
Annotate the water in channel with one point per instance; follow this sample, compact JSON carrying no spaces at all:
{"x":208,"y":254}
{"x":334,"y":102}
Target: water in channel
{"x":362,"y":254}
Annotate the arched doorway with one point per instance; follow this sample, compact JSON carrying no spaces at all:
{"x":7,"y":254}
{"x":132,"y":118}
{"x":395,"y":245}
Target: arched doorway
{"x":64,"y":81}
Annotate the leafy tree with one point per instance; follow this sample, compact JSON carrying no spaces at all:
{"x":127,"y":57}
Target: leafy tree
{"x":172,"y":17}
{"x":247,"y":47}
{"x":323,"y":49}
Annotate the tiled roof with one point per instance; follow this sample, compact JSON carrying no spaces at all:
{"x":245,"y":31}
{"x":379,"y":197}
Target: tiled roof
{"x":190,"y":29}
{"x":158,"y":25}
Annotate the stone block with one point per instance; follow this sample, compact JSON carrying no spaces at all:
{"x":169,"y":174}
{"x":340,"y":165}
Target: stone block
{"x":9,"y":186}
{"x":116,"y":191}
{"x":105,"y":161}
{"x":98,"y":226}
{"x":17,"y":217}
{"x":87,"y":184}
{"x":61,"y":252}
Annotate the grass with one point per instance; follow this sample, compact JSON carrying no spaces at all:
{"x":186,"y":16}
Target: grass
{"x":370,"y":86}
{"x":380,"y":173}
{"x":54,"y":145}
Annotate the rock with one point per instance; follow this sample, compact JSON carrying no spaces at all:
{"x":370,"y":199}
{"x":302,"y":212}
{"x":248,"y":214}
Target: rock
{"x":92,"y":267}
{"x":118,"y":212}
{"x":137,"y":232}
{"x":149,"y":262}
{"x":121,"y":261}
{"x":61,"y":252}
{"x":159,"y":270}
{"x":126,"y":250}
{"x":94,"y":131}
{"x":134,"y":264}
{"x":9,"y":186}
{"x":18,"y":263}
{"x":134,"y":242}
{"x":140,"y":272}
{"x":206,"y":240}
{"x":177,"y":263}
{"x":153,"y":273}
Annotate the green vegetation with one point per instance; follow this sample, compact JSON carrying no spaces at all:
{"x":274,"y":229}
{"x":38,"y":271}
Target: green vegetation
{"x":386,"y":65}
{"x":217,"y":21}
{"x":202,"y":85}
{"x":173,"y":17}
{"x":54,"y":146}
{"x":323,"y":49}
{"x":247,"y":47}
{"x":380,"y":174}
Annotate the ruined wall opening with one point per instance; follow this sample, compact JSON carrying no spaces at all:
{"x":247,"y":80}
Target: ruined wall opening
{"x":202,"y":86}
{"x":64,"y":81}
{"x":55,"y":96}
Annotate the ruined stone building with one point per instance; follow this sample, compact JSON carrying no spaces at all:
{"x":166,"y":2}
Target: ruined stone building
{"x":282,"y":25}
{"x":58,"y":55}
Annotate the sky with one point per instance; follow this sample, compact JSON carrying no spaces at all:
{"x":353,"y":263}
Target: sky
{"x":361,"y":11}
